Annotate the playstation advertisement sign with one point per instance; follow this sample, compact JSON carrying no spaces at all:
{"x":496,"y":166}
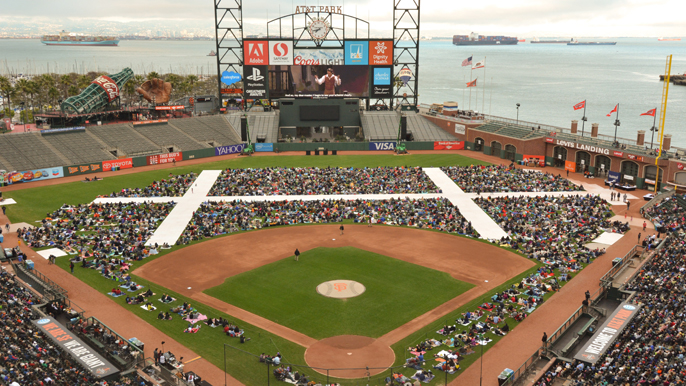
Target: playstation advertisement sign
{"x":256,"y":78}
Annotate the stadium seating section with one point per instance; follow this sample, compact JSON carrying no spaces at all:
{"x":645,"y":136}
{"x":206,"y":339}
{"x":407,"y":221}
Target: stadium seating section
{"x":125,"y":139}
{"x":169,"y":137}
{"x":79,"y":147}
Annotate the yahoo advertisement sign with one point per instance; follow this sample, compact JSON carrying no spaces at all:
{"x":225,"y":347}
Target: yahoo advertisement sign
{"x":233,"y":149}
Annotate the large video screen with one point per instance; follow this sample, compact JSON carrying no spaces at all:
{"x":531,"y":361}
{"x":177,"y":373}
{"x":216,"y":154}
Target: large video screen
{"x":278,"y":69}
{"x":318,"y":81}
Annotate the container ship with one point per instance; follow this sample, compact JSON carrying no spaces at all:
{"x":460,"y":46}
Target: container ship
{"x":575,"y":42}
{"x":475,"y":39}
{"x":71,"y":39}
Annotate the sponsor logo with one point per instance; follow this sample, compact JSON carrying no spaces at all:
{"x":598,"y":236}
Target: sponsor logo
{"x":108,"y":85}
{"x":382,"y":76}
{"x":356,"y":53}
{"x":264,"y":147}
{"x":448,"y":145}
{"x":617,"y":153}
{"x":340,"y":286}
{"x":102,"y":370}
{"x":680,"y":166}
{"x":230,"y":77}
{"x":256,"y":52}
{"x":320,"y":57}
{"x":332,"y":9}
{"x":381,"y":52}
{"x":125,"y":163}
{"x":281,"y":53}
{"x":377,"y":146}
{"x":256,"y":75}
{"x":629,"y":307}
{"x":43,"y":321}
{"x":223,"y":150}
{"x":550,"y":140}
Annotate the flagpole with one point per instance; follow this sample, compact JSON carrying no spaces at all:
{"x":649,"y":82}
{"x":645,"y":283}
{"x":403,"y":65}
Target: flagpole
{"x":463,"y":82}
{"x":616,"y":123}
{"x":483,"y":92}
{"x":583,"y":120}
{"x":490,"y":103}
{"x":471,"y":69}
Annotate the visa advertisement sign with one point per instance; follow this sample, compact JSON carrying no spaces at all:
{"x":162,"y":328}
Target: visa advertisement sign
{"x":356,"y":53}
{"x":379,"y":146}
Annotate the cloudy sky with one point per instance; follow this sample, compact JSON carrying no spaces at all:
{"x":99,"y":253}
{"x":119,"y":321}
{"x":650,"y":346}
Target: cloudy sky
{"x":523,"y":18}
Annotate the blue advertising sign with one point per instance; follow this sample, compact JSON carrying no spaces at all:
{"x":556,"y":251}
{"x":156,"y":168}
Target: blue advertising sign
{"x":33,"y":175}
{"x":264,"y":147}
{"x":233,"y":149}
{"x":386,"y":145}
{"x":382,"y":76}
{"x":230,"y":77}
{"x":357,"y":53}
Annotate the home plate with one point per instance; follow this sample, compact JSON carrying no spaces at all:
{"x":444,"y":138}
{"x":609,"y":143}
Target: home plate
{"x":52,"y":251}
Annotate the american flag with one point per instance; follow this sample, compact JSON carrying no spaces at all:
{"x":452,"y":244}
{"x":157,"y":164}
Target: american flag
{"x":580,"y":105}
{"x":467,"y":62}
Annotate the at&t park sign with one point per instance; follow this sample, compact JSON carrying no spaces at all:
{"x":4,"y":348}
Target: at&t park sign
{"x":323,"y":9}
{"x":579,"y":146}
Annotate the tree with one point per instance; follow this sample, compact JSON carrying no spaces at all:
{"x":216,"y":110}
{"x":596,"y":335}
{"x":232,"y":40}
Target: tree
{"x":73,"y":90}
{"x":153,"y":75}
{"x":53,"y":96}
{"x":7,"y":91}
{"x":65,"y":82}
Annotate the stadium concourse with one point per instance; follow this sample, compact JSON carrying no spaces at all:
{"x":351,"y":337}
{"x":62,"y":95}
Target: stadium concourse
{"x":510,"y":352}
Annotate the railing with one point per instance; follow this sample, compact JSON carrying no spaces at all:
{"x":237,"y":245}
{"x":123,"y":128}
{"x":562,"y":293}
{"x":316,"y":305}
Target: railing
{"x":659,"y":197}
{"x":522,"y":370}
{"x":607,"y":278}
{"x":130,"y":359}
{"x":51,"y":290}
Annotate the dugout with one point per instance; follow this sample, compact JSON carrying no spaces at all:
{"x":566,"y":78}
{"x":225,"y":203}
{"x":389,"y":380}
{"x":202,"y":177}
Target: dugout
{"x":320,"y":120}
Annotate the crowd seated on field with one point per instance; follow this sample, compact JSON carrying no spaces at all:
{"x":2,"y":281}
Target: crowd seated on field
{"x":651,"y":349}
{"x":500,"y":178}
{"x":551,"y":229}
{"x":213,"y":219}
{"x":105,"y":237}
{"x":337,"y":180}
{"x":173,"y":186}
{"x":27,"y":356}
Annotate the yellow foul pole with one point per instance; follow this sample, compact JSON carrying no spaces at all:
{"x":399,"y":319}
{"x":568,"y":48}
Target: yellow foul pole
{"x":663,"y":112}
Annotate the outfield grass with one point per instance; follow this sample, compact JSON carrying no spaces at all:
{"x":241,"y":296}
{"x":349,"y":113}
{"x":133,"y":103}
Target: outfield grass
{"x":285,"y":292}
{"x":34,"y":203}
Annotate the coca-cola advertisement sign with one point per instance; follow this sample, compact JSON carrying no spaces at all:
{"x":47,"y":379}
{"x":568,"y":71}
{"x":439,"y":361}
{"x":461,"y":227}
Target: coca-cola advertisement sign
{"x":109,"y":86}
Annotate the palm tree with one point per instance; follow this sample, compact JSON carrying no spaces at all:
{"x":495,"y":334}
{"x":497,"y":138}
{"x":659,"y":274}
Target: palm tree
{"x":73,"y":90}
{"x":22,"y":88}
{"x":65,"y":82}
{"x":153,"y":75}
{"x":53,"y":96}
{"x":7,"y":91}
{"x":84,"y":81}
{"x":129,"y":90}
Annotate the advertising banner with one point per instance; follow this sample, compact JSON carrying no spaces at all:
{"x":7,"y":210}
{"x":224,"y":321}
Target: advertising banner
{"x":83,"y":169}
{"x":256,"y":52}
{"x":318,"y":57}
{"x":109,"y":85}
{"x":607,"y":333}
{"x":356,"y":53}
{"x":123,"y":163}
{"x":255,"y":82}
{"x":618,"y":153}
{"x":381,"y":52}
{"x":224,"y":150}
{"x":635,"y":157}
{"x":315,"y":81}
{"x":158,"y":159}
{"x":530,"y":158}
{"x":614,"y":176}
{"x":570,"y":166}
{"x":386,"y":145}
{"x":177,"y":107}
{"x":65,"y":129}
{"x":264,"y":147}
{"x":33,"y":175}
{"x":550,"y":140}
{"x":150,"y":122}
{"x":281,"y":53}
{"x":382,"y":82}
{"x":449,"y":145}
{"x":230,"y":77}
{"x":70,"y":343}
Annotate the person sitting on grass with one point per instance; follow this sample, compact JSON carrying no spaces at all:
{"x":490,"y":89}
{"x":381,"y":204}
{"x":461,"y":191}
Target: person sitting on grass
{"x":116,"y":291}
{"x":164,"y":316}
{"x":167,"y":299}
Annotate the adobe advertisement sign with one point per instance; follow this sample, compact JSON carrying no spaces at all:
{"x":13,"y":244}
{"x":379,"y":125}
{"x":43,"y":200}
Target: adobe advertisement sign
{"x":318,"y":57}
{"x":33,"y":175}
{"x":316,"y":82}
{"x":449,"y":145}
{"x":84,"y":354}
{"x":281,"y":53}
{"x":158,"y":159}
{"x":382,"y":82}
{"x":107,"y":84}
{"x":256,"y":52}
{"x":607,"y":333}
{"x":356,"y":53}
{"x":381,"y":52}
{"x":255,"y":83}
{"x":124,"y":163}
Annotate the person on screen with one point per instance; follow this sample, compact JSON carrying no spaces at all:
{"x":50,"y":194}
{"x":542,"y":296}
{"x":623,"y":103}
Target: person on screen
{"x":330,"y":81}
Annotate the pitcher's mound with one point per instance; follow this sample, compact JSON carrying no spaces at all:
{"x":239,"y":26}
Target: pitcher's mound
{"x":341,"y":289}
{"x":349,"y":351}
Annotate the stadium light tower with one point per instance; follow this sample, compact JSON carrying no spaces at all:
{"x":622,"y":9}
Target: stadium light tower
{"x":518,"y":113}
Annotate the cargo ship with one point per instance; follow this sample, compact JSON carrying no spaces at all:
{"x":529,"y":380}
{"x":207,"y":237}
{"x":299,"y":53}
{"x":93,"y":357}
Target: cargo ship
{"x":475,"y":39}
{"x":575,"y":42}
{"x":538,"y":41}
{"x":71,"y":39}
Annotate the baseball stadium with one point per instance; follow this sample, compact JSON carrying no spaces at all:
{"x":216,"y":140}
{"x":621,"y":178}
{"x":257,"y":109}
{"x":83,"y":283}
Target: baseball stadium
{"x":316,"y":225}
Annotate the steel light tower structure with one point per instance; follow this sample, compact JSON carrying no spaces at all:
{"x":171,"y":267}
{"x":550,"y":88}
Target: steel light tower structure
{"x":406,"y":49}
{"x":228,"y":30}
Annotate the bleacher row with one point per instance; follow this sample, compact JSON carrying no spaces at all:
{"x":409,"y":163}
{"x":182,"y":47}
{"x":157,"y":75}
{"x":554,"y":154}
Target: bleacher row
{"x":513,"y":131}
{"x":383,"y":125}
{"x":26,"y":151}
